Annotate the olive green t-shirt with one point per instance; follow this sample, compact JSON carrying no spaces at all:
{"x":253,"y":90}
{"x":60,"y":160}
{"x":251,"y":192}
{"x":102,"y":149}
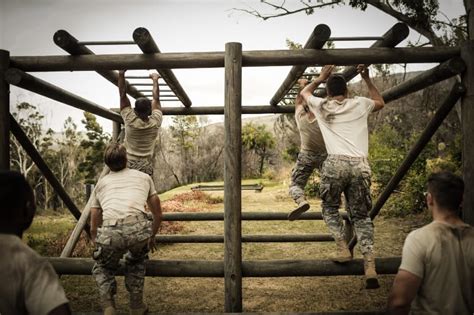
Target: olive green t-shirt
{"x":442,"y":255}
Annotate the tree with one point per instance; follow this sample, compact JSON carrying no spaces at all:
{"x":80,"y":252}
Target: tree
{"x":258,"y":140}
{"x":94,"y":145}
{"x":423,"y":16}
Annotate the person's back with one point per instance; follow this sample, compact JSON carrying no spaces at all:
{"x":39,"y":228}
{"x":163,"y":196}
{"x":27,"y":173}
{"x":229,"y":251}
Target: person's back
{"x":448,"y":270}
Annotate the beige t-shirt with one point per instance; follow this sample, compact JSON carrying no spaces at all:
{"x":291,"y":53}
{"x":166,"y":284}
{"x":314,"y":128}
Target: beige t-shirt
{"x":122,"y":194}
{"x":344,"y":124}
{"x":28,"y":282}
{"x":310,"y":134}
{"x":140,"y":136}
{"x":433,"y":253}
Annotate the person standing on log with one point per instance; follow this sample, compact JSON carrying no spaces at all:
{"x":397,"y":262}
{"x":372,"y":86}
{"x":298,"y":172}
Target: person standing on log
{"x":311,"y":156}
{"x":120,"y":225}
{"x":436,"y":275}
{"x":29,"y":283}
{"x":343,"y":123}
{"x":141,"y":125}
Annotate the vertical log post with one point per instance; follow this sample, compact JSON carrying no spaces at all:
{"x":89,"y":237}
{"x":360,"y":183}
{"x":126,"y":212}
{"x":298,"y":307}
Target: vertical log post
{"x":116,"y":128}
{"x":4,"y":112}
{"x":467,"y":107}
{"x":232,"y":178}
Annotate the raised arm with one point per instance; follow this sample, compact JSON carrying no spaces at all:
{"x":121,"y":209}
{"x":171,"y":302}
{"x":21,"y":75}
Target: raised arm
{"x":308,"y":90}
{"x":155,"y":104}
{"x":299,"y":101}
{"x":373,"y":91}
{"x":155,"y":207}
{"x":124,"y":101}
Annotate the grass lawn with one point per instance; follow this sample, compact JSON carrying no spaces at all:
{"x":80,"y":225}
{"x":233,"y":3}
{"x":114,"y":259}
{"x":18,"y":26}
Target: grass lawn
{"x":287,"y":294}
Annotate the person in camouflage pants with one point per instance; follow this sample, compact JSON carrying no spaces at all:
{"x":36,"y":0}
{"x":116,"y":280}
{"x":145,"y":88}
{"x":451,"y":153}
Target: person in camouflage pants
{"x":311,"y":156}
{"x":121,"y":226}
{"x":344,"y":126}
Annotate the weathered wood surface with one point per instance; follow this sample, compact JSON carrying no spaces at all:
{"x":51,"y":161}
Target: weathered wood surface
{"x":170,"y":239}
{"x":232,"y":178}
{"x":144,"y":40}
{"x":4,"y":112}
{"x":28,"y":82}
{"x":246,"y":216}
{"x":256,"y":58}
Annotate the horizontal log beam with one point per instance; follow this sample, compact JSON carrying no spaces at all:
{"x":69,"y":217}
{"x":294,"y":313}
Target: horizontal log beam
{"x":427,"y":78}
{"x":257,"y":58}
{"x":215,"y":269}
{"x":106,"y":43}
{"x":246,"y":216}
{"x":171,"y":239}
{"x":318,"y":38}
{"x":75,"y":48}
{"x":28,"y":82}
{"x":145,"y":41}
{"x":219,"y":110}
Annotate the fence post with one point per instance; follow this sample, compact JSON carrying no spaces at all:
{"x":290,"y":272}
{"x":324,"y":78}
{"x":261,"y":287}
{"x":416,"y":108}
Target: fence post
{"x":4,"y":112}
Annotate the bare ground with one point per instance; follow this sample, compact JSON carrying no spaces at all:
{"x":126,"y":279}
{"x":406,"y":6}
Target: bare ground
{"x":287,"y":294}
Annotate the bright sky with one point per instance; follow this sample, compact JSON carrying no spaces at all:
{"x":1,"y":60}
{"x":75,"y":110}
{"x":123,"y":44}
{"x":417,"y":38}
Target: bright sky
{"x":27,"y":28}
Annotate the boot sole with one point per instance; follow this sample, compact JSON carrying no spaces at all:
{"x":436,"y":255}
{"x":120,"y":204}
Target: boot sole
{"x":372,"y":283}
{"x":295,"y":214}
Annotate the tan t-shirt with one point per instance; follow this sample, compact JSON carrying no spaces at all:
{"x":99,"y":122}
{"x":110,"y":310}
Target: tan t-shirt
{"x":344,"y":124}
{"x":122,"y":194}
{"x":140,"y":136}
{"x":433,"y":253}
{"x":28,"y":282}
{"x":310,"y":134}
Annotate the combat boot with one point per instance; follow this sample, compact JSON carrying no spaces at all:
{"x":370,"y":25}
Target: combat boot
{"x":137,"y":307}
{"x":302,"y":207}
{"x":371,"y":281}
{"x":343,"y":253}
{"x":108,"y":304}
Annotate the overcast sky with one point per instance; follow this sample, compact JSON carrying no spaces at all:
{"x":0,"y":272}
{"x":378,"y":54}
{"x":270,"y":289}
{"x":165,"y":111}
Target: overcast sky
{"x":27,"y":28}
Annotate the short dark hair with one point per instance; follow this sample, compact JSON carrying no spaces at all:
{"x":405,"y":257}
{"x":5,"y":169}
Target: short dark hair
{"x":115,"y":157}
{"x":336,"y":85}
{"x":143,"y":107}
{"x":17,"y":201}
{"x":447,"y":190}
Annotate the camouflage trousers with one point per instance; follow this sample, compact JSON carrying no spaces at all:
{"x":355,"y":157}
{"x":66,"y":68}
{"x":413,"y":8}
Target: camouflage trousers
{"x":113,"y":242}
{"x":306,"y":163}
{"x":142,"y":165}
{"x":351,"y":176}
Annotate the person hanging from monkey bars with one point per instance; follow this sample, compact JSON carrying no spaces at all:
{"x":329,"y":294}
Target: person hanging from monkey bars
{"x":343,"y":123}
{"x":311,"y":156}
{"x":141,"y":125}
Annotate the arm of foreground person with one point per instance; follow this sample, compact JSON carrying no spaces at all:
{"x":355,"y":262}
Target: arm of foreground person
{"x":404,"y":289}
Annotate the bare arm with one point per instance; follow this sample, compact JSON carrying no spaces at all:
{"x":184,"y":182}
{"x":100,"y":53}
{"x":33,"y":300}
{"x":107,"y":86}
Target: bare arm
{"x":96,"y":221}
{"x":373,"y":91}
{"x":299,"y":101}
{"x":404,"y":289}
{"x":308,"y":90}
{"x":154,"y":204}
{"x":124,"y":101}
{"x":155,"y":104}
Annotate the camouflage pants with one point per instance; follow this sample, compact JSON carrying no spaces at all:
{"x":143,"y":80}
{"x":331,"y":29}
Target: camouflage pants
{"x":115,"y":241}
{"x":351,"y":176}
{"x":306,"y":163}
{"x":142,"y":165}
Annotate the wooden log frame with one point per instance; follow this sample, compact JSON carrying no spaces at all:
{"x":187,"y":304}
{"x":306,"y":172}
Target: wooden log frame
{"x":456,"y":92}
{"x":43,"y":167}
{"x":256,"y":58}
{"x":144,"y":40}
{"x":467,"y":108}
{"x":317,"y":39}
{"x":391,"y":38}
{"x":4,"y":112}
{"x":170,"y":239}
{"x":232,"y":178}
{"x":28,"y":82}
{"x":256,"y":187}
{"x":75,"y":48}
{"x":245,"y":216}
{"x":215,"y":269}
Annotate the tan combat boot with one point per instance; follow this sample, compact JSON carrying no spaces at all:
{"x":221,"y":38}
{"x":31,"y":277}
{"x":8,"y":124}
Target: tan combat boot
{"x":108,"y":304}
{"x":137,"y":307}
{"x":302,"y":207}
{"x":343,"y":253}
{"x":371,"y":281}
